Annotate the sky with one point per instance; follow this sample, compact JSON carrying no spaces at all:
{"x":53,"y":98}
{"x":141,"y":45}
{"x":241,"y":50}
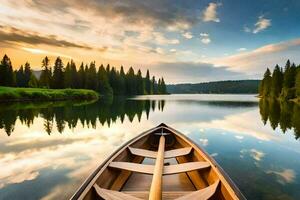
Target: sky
{"x":185,"y":41}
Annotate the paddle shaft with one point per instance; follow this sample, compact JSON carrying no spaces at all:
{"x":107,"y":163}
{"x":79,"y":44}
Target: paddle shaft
{"x":156,"y":185}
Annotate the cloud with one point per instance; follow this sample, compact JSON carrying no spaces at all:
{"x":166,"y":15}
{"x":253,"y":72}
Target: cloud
{"x":188,"y":35}
{"x":159,"y":50}
{"x":239,"y":137}
{"x":205,"y":40}
{"x":261,"y":24}
{"x":193,"y":72}
{"x":284,"y":176}
{"x":162,"y":40}
{"x":15,"y":35}
{"x":254,"y":153}
{"x":44,"y":52}
{"x":242,"y":49}
{"x":204,"y":34}
{"x":204,"y":142}
{"x":173,"y":50}
{"x":256,"y":61}
{"x":210,"y":13}
{"x":129,"y":11}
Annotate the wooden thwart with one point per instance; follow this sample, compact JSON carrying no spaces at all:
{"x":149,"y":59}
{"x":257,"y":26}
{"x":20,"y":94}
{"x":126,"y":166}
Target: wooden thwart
{"x":134,"y":167}
{"x":171,"y":169}
{"x":185,"y":167}
{"x":202,"y":194}
{"x":112,"y":194}
{"x":153,"y":154}
{"x":178,"y":152}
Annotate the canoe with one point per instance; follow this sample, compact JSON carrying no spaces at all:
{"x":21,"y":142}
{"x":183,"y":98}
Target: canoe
{"x":160,"y":163}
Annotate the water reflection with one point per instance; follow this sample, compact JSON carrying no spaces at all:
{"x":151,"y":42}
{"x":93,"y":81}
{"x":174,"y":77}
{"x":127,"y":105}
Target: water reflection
{"x":283,"y":114}
{"x":106,"y":111}
{"x":263,"y":162}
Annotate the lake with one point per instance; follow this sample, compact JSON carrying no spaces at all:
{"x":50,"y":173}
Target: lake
{"x":48,"y":149}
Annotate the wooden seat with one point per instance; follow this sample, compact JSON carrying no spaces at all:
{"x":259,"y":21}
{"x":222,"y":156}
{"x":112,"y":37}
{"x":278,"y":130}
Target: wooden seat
{"x":134,"y":167}
{"x":143,"y":152}
{"x":185,"y":167}
{"x":166,"y":195}
{"x":202,"y":194}
{"x":170,"y":169}
{"x":153,"y":154}
{"x":178,"y":152}
{"x":112,"y":194}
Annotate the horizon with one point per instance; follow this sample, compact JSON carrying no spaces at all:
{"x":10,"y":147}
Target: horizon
{"x":192,"y":42}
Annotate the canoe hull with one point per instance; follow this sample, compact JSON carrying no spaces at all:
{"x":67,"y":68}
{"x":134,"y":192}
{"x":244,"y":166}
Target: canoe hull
{"x":125,"y":171}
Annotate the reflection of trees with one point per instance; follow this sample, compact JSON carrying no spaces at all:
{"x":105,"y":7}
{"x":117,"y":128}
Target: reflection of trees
{"x":70,"y":114}
{"x":281,"y":113}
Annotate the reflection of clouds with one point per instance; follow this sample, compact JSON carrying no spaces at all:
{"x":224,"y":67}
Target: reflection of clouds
{"x":254,"y":153}
{"x":214,"y":154}
{"x":81,"y":150}
{"x":239,"y":137}
{"x":246,"y":123}
{"x":204,"y":142}
{"x":284,"y":176}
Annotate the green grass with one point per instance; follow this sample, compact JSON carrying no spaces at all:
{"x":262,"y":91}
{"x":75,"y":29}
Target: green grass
{"x":38,"y":94}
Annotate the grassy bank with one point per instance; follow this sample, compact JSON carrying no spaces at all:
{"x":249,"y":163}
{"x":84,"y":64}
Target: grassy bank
{"x":37,"y":94}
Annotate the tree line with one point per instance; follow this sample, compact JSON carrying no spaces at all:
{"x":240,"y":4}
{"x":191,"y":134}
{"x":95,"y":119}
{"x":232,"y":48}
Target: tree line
{"x":105,"y":80}
{"x":216,"y":87}
{"x":282,"y":83}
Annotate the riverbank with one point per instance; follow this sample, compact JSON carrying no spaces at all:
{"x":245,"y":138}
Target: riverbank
{"x":8,"y":94}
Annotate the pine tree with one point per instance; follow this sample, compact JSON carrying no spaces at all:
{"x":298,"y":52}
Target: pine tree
{"x":7,"y":75}
{"x":154,"y":85}
{"x":267,"y":83}
{"x":74,"y":75}
{"x":103,"y":87}
{"x":86,"y":76}
{"x":289,"y":75}
{"x":81,"y":76}
{"x":27,"y":74}
{"x":20,"y":77}
{"x":67,"y":76}
{"x":163,"y":86}
{"x":140,"y":83}
{"x":92,"y":80}
{"x":131,"y":82}
{"x":148,"y":83}
{"x":46,"y":75}
{"x":277,"y":82}
{"x":58,"y":74}
{"x":298,"y":83}
{"x":122,"y":82}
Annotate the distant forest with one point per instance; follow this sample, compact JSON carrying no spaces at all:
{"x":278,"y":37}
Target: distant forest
{"x":282,"y":83}
{"x":105,"y":80}
{"x":218,"y":87}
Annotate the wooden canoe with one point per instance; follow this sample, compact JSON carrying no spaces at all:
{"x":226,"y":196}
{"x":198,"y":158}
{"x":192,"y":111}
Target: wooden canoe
{"x":160,"y":163}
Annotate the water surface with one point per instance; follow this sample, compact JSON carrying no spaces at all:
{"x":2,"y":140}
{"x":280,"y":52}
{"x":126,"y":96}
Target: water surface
{"x":48,"y":149}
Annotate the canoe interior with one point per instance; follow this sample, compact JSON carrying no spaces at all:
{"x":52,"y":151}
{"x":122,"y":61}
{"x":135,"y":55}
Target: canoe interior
{"x":174,"y":186}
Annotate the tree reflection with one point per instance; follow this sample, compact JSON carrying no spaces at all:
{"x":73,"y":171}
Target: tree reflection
{"x":62,"y":114}
{"x":283,"y":114}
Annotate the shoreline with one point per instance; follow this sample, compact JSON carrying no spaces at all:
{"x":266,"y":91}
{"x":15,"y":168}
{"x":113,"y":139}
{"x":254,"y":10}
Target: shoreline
{"x":11,"y":94}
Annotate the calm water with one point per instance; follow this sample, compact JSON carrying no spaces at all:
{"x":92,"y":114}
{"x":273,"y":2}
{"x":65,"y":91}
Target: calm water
{"x":48,"y":149}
